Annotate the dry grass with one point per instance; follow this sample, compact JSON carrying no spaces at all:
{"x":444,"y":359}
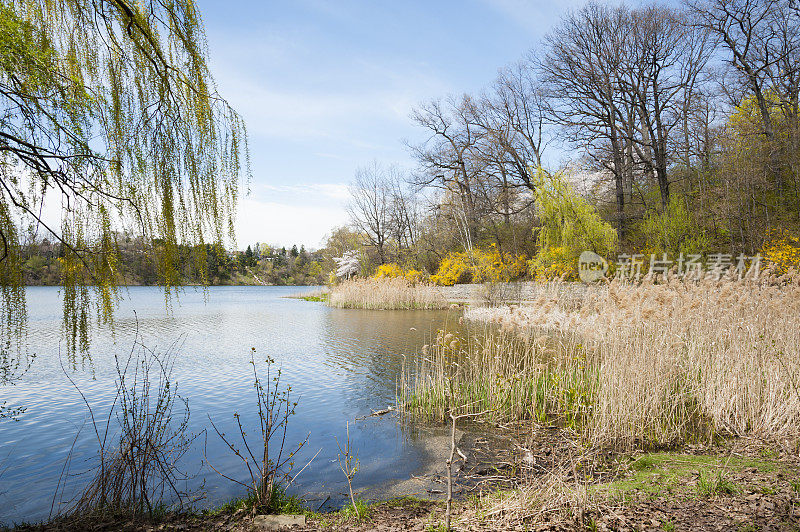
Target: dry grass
{"x":386,"y":294}
{"x":551,"y":499}
{"x":630,"y":365}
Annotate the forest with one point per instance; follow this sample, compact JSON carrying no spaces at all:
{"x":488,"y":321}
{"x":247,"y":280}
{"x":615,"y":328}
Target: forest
{"x":642,"y":131}
{"x":259,"y":264}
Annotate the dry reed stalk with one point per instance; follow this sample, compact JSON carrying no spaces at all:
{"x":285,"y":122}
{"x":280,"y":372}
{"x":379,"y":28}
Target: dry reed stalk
{"x":629,"y":365}
{"x":386,"y":294}
{"x":552,"y":500}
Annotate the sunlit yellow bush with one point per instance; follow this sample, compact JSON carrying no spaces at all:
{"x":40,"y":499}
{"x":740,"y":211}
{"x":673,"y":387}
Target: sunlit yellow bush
{"x":414,"y":276}
{"x":782,"y":250}
{"x":553,"y":263}
{"x":480,"y":266}
{"x":453,"y":269}
{"x":390,"y":271}
{"x":395,"y":271}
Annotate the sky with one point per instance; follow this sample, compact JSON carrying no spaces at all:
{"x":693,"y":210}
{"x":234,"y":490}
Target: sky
{"x":326,"y":87}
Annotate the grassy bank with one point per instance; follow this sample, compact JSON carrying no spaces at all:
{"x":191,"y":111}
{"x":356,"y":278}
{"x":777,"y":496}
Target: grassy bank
{"x":663,"y":491}
{"x":386,"y":294}
{"x":653,"y":365}
{"x":318,"y":295}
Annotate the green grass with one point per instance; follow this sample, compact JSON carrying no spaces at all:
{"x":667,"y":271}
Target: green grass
{"x":768,"y":453}
{"x":714,"y":484}
{"x":281,"y":503}
{"x":795,"y":483}
{"x":767,"y":490}
{"x":662,"y":474}
{"x":320,"y":299}
{"x":364,"y":509}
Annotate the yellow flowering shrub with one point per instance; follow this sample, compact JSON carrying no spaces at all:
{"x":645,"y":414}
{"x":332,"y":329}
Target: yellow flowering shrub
{"x":480,"y":266}
{"x":554,"y":263}
{"x":392,"y":271}
{"x":453,"y":269}
{"x":389,"y":270}
{"x":414,"y":276}
{"x":782,"y":250}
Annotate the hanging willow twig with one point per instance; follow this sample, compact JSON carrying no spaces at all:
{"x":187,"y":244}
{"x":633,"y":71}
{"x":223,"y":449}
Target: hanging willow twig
{"x":108,"y":106}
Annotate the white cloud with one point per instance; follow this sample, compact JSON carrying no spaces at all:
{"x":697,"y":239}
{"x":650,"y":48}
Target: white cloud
{"x":286,"y":88}
{"x":301,"y":213}
{"x":539,"y":16}
{"x":309,"y":114}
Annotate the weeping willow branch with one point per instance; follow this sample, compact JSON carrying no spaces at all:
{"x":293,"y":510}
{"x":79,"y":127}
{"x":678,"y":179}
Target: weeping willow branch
{"x":109,"y":107}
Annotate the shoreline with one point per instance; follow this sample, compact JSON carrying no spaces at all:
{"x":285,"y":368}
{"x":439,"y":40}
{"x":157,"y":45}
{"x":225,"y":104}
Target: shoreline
{"x":740,"y":483}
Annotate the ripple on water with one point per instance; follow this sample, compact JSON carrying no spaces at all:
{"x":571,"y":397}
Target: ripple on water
{"x":340,"y":363}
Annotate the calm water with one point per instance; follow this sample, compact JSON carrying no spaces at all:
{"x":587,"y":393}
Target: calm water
{"x":340,"y":363}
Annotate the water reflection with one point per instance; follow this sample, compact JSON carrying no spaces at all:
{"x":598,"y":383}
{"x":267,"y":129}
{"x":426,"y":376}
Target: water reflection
{"x":341,"y":364}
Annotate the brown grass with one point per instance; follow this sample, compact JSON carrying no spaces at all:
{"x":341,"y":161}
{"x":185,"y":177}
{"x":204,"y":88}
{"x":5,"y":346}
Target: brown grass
{"x":630,"y":365}
{"x":385,"y":294}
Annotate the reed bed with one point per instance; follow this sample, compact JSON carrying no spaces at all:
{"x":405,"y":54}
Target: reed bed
{"x":386,"y":294}
{"x":628,"y":365}
{"x":511,"y":377}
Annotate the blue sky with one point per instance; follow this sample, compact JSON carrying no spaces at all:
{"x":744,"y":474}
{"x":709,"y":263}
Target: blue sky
{"x":325,"y":87}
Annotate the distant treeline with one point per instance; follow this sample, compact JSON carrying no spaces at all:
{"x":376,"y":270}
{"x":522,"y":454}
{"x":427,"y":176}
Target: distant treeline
{"x":137,"y":265}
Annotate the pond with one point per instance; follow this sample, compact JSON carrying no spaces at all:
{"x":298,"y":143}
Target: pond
{"x":341,"y":364}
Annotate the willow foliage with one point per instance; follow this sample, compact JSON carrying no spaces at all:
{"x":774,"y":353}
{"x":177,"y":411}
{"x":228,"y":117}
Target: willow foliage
{"x":570,"y":225}
{"x":109,"y":108}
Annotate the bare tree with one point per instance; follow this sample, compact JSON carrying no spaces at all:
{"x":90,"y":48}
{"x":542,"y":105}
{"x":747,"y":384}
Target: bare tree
{"x":446,"y":159}
{"x":403,"y":213}
{"x":755,"y":33}
{"x":760,"y":42}
{"x":370,"y":206}
{"x":665,"y":60}
{"x":621,"y":81}
{"x":514,"y":115}
{"x":581,"y":69}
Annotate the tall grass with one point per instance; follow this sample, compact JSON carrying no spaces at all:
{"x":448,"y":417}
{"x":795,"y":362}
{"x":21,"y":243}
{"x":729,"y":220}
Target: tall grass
{"x":627,"y":365}
{"x":512,"y":377}
{"x":386,"y":294}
